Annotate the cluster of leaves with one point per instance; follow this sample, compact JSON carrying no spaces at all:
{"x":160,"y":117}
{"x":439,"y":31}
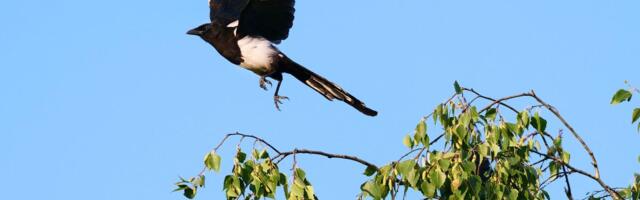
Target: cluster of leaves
{"x":259,"y":174}
{"x":190,"y":187}
{"x":625,"y":95}
{"x":484,"y":157}
{"x":479,"y":154}
{"x":634,"y":189}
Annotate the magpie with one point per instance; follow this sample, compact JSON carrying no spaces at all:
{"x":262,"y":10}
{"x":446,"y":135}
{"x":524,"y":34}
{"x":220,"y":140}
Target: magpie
{"x":245,"y":32}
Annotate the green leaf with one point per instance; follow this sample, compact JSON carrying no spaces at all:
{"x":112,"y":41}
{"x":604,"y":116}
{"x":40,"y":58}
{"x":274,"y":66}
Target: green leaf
{"x":499,"y":194}
{"x":491,"y":114}
{"x":465,"y":119}
{"x":437,"y":113}
{"x":437,"y":177}
{"x":285,"y":185}
{"x":539,"y":123}
{"x":426,"y":142}
{"x":198,"y":181}
{"x":372,"y":189}
{"x":557,"y":143}
{"x":620,"y":96}
{"x":421,"y":133}
{"x":264,"y":154}
{"x":408,"y":142}
{"x":444,"y":164}
{"x":523,"y":118}
{"x":212,"y":161}
{"x":405,"y":167}
{"x":255,"y":154}
{"x":190,"y":192}
{"x":636,"y":115}
{"x":309,"y":191}
{"x":228,"y":180}
{"x":483,"y":150}
{"x":457,"y":87}
{"x":181,"y":187}
{"x":297,"y":191}
{"x":513,"y":194}
{"x":461,"y":132}
{"x":370,"y":171}
{"x":300,"y":174}
{"x":566,"y":157}
{"x":428,"y":189}
{"x":475,"y":183}
{"x":236,"y":189}
{"x":241,"y":156}
{"x":413,"y":177}
{"x":474,"y":114}
{"x":421,"y":128}
{"x":554,"y":169}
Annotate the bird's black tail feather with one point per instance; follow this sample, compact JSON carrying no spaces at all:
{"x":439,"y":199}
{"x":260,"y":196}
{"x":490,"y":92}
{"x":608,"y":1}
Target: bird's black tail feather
{"x":323,"y":86}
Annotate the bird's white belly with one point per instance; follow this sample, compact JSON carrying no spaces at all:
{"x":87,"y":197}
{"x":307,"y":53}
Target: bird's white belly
{"x":257,"y":54}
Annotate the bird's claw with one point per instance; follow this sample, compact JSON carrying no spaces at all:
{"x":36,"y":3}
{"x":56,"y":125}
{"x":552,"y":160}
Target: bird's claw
{"x":264,"y":82}
{"x":278,"y":100}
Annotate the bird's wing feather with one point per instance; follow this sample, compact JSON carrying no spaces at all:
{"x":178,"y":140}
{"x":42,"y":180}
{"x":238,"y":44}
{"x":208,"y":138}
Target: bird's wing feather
{"x":270,"y":19}
{"x":226,"y":11}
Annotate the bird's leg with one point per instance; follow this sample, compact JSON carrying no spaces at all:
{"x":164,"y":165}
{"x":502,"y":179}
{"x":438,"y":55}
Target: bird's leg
{"x":263,"y":82}
{"x":277,"y":98}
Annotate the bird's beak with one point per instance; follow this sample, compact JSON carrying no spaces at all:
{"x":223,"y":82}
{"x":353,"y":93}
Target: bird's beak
{"x":194,"y":32}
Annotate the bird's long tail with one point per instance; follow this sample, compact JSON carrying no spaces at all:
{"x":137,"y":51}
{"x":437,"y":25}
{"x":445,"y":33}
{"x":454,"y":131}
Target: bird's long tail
{"x":323,"y":86}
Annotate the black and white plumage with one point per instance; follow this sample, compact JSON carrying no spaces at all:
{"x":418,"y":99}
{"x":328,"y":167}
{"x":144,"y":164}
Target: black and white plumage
{"x":245,"y":33}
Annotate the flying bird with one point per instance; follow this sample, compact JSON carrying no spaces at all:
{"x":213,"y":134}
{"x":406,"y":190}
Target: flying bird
{"x":245,"y":32}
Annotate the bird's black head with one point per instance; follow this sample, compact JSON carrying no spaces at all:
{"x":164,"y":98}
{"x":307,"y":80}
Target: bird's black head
{"x":200,"y":30}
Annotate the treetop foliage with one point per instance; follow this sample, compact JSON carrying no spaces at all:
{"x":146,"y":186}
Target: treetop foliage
{"x":486,"y":151}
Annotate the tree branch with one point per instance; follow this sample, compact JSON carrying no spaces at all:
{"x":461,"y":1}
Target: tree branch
{"x":328,"y":155}
{"x":490,"y":99}
{"x":566,"y":179}
{"x":421,"y":149}
{"x":500,"y":101}
{"x":283,"y":155}
{"x":579,"y":171}
{"x":567,"y":169}
{"x":246,"y":136}
{"x":594,"y":162}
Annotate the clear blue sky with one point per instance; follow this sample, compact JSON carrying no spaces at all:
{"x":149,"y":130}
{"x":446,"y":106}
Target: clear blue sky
{"x":109,"y":100}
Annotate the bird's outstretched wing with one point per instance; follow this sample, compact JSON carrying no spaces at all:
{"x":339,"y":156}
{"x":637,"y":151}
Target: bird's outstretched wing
{"x":270,"y":19}
{"x":226,"y":11}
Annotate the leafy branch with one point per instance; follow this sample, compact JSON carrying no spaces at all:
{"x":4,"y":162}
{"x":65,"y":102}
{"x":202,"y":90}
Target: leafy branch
{"x":482,"y":156}
{"x":625,"y":95}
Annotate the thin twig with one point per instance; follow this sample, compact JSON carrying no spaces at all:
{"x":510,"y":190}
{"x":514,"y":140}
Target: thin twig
{"x":491,"y":99}
{"x":245,"y":136}
{"x":419,"y":154}
{"x":538,"y":162}
{"x":500,"y":101}
{"x":566,"y":179}
{"x":328,"y":155}
{"x":408,"y":154}
{"x":553,"y":178}
{"x":422,"y":149}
